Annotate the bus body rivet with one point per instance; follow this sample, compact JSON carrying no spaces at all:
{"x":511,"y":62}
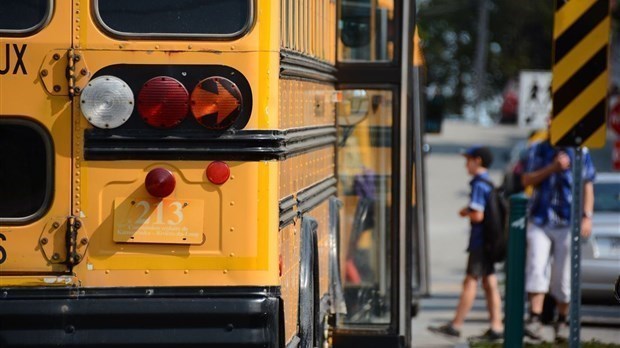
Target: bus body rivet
{"x":44,"y":240}
{"x":84,"y":241}
{"x":84,"y":71}
{"x":56,"y":88}
{"x":56,"y":56}
{"x":56,"y":256}
{"x":56,"y":224}
{"x":44,"y":72}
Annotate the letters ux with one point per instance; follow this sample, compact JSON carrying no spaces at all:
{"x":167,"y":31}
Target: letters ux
{"x":18,"y":53}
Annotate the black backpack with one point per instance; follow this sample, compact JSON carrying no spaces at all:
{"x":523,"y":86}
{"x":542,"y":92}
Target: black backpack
{"x":494,"y":224}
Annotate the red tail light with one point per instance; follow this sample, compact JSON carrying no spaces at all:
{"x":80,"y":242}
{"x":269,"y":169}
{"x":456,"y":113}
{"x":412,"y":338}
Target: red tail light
{"x":218,"y":172}
{"x":163,"y":102}
{"x":216,"y":103}
{"x":160,"y":182}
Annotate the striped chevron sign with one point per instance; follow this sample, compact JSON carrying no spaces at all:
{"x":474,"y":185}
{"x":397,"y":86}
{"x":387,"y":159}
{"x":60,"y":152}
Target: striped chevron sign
{"x":580,"y":72}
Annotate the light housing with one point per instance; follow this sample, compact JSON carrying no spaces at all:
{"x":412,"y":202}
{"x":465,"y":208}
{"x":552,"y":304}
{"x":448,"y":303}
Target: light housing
{"x":216,"y":103}
{"x":107,"y":102}
{"x":160,"y":182}
{"x":163,"y":102}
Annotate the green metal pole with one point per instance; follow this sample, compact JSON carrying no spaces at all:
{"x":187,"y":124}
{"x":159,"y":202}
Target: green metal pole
{"x":515,"y":272}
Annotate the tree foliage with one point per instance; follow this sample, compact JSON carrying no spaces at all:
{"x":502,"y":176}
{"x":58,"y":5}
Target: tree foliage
{"x":519,"y":38}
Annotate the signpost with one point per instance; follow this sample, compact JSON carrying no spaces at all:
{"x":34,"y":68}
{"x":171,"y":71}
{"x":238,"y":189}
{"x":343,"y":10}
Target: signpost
{"x":580,"y":83}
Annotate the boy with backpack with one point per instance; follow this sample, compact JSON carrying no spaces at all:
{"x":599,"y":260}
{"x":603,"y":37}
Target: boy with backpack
{"x":480,"y":264}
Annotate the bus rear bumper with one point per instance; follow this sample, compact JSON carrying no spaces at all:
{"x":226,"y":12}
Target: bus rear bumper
{"x":136,"y":317}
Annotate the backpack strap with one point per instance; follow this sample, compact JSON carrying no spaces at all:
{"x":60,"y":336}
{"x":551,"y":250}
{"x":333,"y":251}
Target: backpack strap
{"x":485,"y":180}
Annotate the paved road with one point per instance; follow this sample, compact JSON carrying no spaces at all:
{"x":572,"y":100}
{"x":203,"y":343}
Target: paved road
{"x":447,"y":187}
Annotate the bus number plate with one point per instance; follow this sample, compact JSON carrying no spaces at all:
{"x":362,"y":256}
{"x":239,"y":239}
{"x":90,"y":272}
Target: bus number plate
{"x":149,"y":220}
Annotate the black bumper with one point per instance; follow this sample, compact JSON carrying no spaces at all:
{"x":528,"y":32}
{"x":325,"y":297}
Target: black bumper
{"x":140,"y":317}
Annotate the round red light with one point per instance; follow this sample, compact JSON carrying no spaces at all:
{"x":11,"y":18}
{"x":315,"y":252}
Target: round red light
{"x":163,"y":102}
{"x":160,"y":182}
{"x":218,"y":172}
{"x":216,"y":103}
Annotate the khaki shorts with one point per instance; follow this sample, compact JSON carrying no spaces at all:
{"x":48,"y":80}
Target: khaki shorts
{"x":547,"y":264}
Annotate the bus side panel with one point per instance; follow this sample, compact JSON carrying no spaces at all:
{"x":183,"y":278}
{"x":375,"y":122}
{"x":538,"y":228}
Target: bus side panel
{"x":289,"y":241}
{"x":290,"y":252}
{"x":305,"y":170}
{"x":305,"y":104}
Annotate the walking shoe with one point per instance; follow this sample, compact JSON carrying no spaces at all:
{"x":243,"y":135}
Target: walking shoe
{"x":446,"y":330}
{"x":561,"y":330}
{"x":533,"y":328}
{"x":488,"y":336}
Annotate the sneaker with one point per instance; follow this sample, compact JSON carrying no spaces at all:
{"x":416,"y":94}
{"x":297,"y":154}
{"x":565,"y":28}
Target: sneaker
{"x":533,"y":329}
{"x":488,"y":336}
{"x":561,"y":330}
{"x":446,"y":330}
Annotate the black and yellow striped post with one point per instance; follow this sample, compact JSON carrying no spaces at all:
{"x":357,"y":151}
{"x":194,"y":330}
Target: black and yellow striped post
{"x":580,"y":72}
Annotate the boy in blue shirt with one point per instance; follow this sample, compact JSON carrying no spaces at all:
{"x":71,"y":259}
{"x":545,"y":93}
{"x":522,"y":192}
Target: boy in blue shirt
{"x":479,"y":266}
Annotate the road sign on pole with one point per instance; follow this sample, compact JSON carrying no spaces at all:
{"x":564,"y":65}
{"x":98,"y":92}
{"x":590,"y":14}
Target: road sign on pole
{"x":534,"y":98}
{"x":580,"y":72}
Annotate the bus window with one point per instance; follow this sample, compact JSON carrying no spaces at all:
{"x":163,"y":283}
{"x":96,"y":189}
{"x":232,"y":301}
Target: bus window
{"x":21,"y":17}
{"x":365,"y":186}
{"x":157,"y":18}
{"x":366,"y":28}
{"x":25,"y":185}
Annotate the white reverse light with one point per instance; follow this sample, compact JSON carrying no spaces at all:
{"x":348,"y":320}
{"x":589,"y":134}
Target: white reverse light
{"x":107,"y":102}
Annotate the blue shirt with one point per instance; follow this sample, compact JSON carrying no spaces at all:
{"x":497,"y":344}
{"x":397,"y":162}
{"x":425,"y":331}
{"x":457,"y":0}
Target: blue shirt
{"x":551,"y":201}
{"x":478,"y":198}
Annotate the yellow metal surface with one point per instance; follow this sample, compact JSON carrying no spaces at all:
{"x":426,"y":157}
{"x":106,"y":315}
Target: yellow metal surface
{"x":229,"y":244}
{"x":23,"y":96}
{"x":580,"y":73}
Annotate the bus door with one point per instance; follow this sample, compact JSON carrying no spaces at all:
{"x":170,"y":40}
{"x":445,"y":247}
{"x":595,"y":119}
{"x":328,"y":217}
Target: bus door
{"x":375,"y":172}
{"x":35,"y":142}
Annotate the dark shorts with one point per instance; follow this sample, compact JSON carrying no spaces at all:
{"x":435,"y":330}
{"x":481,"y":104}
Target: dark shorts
{"x":478,"y":265}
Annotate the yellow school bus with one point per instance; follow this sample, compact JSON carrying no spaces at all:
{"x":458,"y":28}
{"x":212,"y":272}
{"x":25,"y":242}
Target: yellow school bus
{"x":192,"y":173}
